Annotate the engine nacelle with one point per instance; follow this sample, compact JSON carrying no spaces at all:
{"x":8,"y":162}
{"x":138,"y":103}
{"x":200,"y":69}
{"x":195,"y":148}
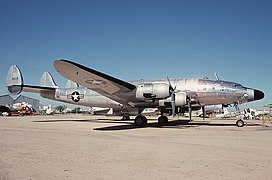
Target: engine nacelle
{"x":180,"y":100}
{"x":153,"y":91}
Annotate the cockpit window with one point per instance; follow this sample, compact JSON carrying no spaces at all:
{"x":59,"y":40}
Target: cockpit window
{"x":237,"y":85}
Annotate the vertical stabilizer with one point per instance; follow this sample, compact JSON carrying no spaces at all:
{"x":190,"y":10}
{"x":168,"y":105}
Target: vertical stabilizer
{"x":71,"y":84}
{"x":14,"y":80}
{"x":47,"y":80}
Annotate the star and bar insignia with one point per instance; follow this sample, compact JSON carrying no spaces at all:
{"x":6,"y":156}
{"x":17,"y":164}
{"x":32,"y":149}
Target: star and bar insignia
{"x":75,"y":96}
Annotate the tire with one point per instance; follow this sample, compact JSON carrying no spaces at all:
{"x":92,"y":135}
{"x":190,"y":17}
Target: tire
{"x":240,"y":123}
{"x":140,"y":121}
{"x":163,"y":120}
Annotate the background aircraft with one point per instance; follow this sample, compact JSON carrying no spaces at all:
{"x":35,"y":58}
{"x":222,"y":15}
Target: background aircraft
{"x":131,"y":98}
{"x":17,"y":109}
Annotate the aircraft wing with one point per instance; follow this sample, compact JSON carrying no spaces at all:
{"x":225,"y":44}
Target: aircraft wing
{"x":99,"y":82}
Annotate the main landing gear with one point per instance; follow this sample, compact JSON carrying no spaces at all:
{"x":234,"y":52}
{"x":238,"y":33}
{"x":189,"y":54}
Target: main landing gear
{"x":126,"y":117}
{"x":163,"y":119}
{"x":141,"y":120}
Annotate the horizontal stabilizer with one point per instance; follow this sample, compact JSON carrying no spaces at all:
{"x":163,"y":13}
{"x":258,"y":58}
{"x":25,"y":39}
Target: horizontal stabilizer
{"x":14,"y":80}
{"x":47,"y":80}
{"x":71,"y":84}
{"x":15,"y":84}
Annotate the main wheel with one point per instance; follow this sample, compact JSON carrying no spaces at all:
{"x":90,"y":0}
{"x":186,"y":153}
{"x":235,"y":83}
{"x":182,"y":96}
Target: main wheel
{"x":240,"y":123}
{"x":163,"y":120}
{"x":140,"y":121}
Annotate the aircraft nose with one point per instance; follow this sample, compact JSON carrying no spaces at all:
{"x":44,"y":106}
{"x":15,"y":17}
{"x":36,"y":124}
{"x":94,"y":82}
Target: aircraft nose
{"x":258,"y":95}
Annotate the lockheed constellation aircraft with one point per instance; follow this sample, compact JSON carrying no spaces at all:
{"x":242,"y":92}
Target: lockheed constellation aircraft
{"x":131,"y":98}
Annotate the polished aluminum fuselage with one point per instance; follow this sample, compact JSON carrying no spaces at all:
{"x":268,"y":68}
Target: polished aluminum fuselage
{"x":202,"y":91}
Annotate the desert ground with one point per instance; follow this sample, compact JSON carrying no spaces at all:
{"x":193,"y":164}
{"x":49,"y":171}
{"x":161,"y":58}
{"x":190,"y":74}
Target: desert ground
{"x":100,"y":147}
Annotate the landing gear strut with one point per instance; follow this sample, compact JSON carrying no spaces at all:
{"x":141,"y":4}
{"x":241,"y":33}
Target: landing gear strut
{"x":239,"y":122}
{"x":126,"y":117}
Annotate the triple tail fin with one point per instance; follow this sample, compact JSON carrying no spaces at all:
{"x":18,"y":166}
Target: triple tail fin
{"x":47,"y":80}
{"x":71,"y":84}
{"x":14,"y":80}
{"x":15,"y":84}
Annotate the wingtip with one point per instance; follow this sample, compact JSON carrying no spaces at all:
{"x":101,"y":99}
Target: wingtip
{"x":57,"y":61}
{"x":66,"y":60}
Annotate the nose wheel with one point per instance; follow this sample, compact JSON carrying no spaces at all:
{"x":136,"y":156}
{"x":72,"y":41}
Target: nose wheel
{"x":240,"y":123}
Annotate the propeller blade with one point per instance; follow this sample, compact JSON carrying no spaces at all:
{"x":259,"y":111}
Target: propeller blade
{"x":172,"y":89}
{"x":190,"y":106}
{"x":190,"y":112}
{"x":170,"y":85}
{"x":173,"y":104}
{"x":203,"y":113}
{"x":172,"y":93}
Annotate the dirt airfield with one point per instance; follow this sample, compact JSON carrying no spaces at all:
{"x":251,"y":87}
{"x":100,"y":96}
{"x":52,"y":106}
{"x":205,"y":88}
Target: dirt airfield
{"x":100,"y":147}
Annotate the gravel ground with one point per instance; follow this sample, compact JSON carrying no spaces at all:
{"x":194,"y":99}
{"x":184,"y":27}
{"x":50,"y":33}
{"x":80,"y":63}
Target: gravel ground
{"x":99,"y":147}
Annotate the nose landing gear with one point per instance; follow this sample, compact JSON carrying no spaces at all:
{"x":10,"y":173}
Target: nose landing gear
{"x":239,"y":122}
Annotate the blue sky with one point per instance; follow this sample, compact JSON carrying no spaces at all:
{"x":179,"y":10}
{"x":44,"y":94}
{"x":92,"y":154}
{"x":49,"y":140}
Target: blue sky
{"x":140,"y":39}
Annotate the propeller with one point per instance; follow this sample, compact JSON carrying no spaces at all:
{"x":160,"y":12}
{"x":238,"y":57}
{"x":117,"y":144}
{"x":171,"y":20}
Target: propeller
{"x":172,"y":93}
{"x":203,"y":112}
{"x":173,"y":102}
{"x":189,"y":102}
